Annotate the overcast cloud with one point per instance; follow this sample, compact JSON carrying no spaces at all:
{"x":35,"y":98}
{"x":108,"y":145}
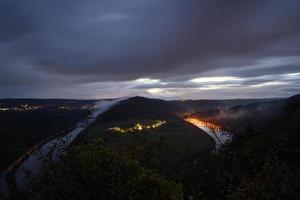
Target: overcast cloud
{"x":158,"y":48}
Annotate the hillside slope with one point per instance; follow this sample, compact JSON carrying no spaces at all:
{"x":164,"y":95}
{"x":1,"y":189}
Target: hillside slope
{"x":141,"y":107}
{"x":183,"y":141}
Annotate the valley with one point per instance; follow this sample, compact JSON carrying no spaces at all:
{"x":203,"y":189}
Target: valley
{"x":179,"y":138}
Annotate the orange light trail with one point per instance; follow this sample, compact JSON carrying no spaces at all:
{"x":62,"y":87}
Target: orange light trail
{"x":198,"y":122}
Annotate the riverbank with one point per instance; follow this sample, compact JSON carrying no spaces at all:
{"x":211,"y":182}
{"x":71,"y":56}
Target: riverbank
{"x":33,"y":163}
{"x":8,"y":176}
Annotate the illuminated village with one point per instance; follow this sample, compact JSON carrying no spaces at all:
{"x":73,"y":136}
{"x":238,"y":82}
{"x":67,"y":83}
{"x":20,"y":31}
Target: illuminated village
{"x":25,"y":107}
{"x":138,"y":127}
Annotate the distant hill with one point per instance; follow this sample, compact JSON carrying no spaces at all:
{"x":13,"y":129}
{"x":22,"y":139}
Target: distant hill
{"x":44,"y":102}
{"x":263,"y":108}
{"x":216,"y":104}
{"x":293,"y":104}
{"x":282,"y":131}
{"x":264,"y":163}
{"x":237,"y":118}
{"x":141,"y":107}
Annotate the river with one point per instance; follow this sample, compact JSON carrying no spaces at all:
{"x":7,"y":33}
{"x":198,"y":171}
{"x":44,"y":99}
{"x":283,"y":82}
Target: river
{"x":220,"y":136}
{"x":34,"y":161}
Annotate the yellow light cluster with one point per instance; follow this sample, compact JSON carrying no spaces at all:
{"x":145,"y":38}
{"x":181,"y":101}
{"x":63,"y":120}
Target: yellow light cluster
{"x":198,"y":122}
{"x":137,"y":127}
{"x":25,"y":107}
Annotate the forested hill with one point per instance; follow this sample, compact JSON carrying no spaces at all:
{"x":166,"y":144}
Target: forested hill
{"x":202,"y":105}
{"x":141,"y":107}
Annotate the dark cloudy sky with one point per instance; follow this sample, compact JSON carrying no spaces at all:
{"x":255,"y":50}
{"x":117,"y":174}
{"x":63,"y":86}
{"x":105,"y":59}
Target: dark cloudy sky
{"x":157,"y":48}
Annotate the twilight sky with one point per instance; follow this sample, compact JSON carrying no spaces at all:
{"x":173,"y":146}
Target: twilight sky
{"x":171,"y":49}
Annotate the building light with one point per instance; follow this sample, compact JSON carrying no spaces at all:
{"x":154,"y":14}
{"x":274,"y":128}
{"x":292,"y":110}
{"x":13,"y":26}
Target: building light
{"x":138,"y":127}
